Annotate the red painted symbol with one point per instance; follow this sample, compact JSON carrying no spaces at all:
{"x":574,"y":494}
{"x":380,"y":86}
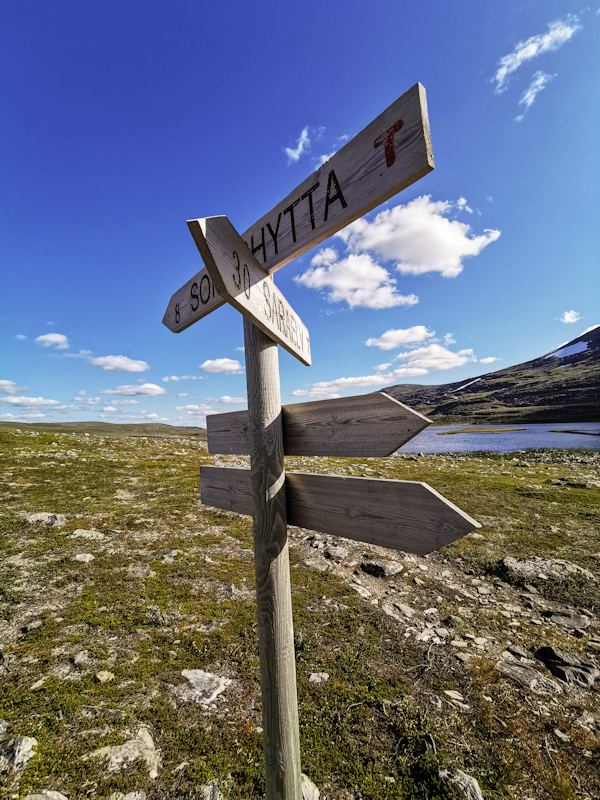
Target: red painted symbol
{"x":387,"y":139}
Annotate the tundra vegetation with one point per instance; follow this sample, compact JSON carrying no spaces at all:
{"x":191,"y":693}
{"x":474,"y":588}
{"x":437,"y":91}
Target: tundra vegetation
{"x":407,"y":666}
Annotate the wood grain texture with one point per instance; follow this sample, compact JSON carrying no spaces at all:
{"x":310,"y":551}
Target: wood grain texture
{"x":401,"y":515}
{"x":376,"y":164}
{"x":194,"y":300}
{"x":242,"y":281}
{"x":272,"y":569}
{"x":368,"y":425}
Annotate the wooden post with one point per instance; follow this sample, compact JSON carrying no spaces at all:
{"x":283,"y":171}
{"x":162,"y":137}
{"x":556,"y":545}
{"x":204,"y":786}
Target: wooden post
{"x":272,"y":569}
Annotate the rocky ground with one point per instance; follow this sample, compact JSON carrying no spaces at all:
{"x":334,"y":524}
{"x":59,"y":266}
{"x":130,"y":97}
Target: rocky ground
{"x":129,"y":655}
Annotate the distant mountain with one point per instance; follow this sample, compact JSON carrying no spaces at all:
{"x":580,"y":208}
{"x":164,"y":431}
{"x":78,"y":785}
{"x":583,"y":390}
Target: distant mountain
{"x":562,"y":386}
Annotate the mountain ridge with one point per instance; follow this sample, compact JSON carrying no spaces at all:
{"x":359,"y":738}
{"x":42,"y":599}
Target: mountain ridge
{"x":560,"y":386}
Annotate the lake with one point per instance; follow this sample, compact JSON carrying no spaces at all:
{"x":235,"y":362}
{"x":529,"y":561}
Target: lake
{"x":533,"y":435}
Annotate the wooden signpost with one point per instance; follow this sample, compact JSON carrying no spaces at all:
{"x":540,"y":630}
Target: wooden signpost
{"x":369,"y":425}
{"x":387,"y":156}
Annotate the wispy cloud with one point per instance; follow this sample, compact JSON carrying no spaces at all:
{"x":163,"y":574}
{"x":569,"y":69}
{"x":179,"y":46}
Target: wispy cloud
{"x":29,"y":402}
{"x":119,"y":364}
{"x":57,"y":340}
{"x":394,"y":338}
{"x":539,"y":82}
{"x":559,"y":32}
{"x":231,"y":365}
{"x":420,"y":361}
{"x":10,"y":387}
{"x":20,"y":336}
{"x":134,"y":390}
{"x":87,"y":401}
{"x":303,"y":144}
{"x":166,"y":379}
{"x":570,"y":316}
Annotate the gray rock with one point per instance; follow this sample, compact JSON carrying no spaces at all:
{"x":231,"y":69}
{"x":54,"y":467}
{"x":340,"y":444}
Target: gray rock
{"x":83,"y":558}
{"x":463,"y":782}
{"x":318,"y":677}
{"x":528,"y":677}
{"x":46,"y":794}
{"x":203,"y":687}
{"x":81,"y":533}
{"x":336,"y":553}
{"x":397,"y":610}
{"x":128,"y":796}
{"x":17,"y":753}
{"x":45,"y":518}
{"x":381,"y":567}
{"x":80,"y":659}
{"x":121,"y":756}
{"x":317,"y":562}
{"x":568,"y":667}
{"x":517,"y":650}
{"x":210,"y":791}
{"x":104,"y":676}
{"x":309,"y":790}
{"x":547,"y":567}
{"x":568,"y":620}
{"x":3,"y":729}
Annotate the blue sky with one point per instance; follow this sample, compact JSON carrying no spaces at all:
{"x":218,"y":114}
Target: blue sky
{"x":122,"y":120}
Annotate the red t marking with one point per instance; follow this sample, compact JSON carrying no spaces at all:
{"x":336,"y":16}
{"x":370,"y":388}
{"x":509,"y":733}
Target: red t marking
{"x":387,"y":139}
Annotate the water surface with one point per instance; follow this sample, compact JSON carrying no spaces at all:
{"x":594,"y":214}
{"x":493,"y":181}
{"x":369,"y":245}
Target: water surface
{"x":532,"y":435}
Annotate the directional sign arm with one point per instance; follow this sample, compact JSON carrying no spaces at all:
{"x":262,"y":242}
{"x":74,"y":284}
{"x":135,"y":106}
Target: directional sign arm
{"x":400,"y":515}
{"x":242,"y":281}
{"x":370,"y":425}
{"x":196,"y":298}
{"x":390,"y":154}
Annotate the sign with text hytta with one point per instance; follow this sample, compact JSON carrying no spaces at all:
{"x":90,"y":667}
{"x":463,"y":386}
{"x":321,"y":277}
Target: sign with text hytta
{"x":240,"y":279}
{"x":384,"y":158}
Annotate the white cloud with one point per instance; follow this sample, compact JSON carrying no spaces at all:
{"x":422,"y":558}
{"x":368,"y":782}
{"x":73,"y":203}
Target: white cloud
{"x":539,"y":82}
{"x":119,"y":364}
{"x":489,"y":360}
{"x":394,"y":338}
{"x":10,"y":387}
{"x":24,"y":416}
{"x":144,"y":390}
{"x":166,"y":379}
{"x":436,"y":357}
{"x":29,"y":402}
{"x":357,"y":279}
{"x":322,"y":159}
{"x":87,"y":401}
{"x":570,"y":316}
{"x":325,"y":390}
{"x":182,"y":394}
{"x":231,"y":401}
{"x":294,"y":153}
{"x":82,"y":393}
{"x":462,"y":204}
{"x":449,"y":339}
{"x":145,"y":415}
{"x":125,"y":402}
{"x":383,"y":367}
{"x":559,"y":32}
{"x":222,"y":365}
{"x":241,"y":349}
{"x":109,"y":408}
{"x":197,"y":413}
{"x":419,"y":237}
{"x":20,"y":336}
{"x":591,"y":328}
{"x":58,"y":340}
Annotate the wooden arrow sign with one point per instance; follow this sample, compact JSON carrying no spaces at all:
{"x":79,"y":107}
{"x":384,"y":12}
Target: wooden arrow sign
{"x":400,"y":515}
{"x":196,"y":298}
{"x":391,"y":153}
{"x":369,"y":425}
{"x":240,"y":279}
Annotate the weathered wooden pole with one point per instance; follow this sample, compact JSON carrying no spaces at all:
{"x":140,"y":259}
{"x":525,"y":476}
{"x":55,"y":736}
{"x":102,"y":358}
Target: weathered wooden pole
{"x":272,"y":569}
